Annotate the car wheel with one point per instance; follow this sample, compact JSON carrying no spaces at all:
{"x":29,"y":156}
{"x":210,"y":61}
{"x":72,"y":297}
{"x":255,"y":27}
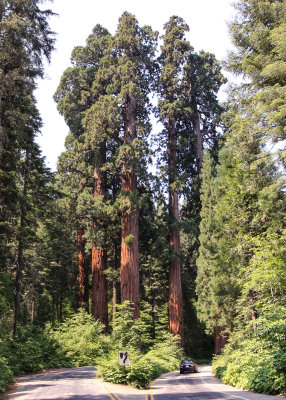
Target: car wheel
{"x":181,"y":372}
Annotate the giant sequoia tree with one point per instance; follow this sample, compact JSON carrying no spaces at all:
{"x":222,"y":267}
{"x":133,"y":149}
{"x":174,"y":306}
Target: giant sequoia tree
{"x":190,"y":113}
{"x":173,"y":56}
{"x":104,"y":98}
{"x":135,"y":49}
{"x":80,"y":100}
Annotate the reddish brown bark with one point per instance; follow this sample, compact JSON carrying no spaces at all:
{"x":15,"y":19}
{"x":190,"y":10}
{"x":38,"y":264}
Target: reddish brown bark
{"x":99,"y":286}
{"x":99,"y":255}
{"x":220,"y":339}
{"x":129,"y":268}
{"x":175,"y":285}
{"x":82,"y":275}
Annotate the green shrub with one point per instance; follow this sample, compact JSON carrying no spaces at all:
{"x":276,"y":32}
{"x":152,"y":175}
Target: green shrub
{"x":166,"y":352}
{"x":163,"y":357}
{"x":141,"y":373}
{"x":32,"y":350}
{"x":138,"y":374}
{"x":6,"y":375}
{"x":77,"y":341}
{"x":80,"y":340}
{"x":129,"y":332}
{"x":256,"y":360}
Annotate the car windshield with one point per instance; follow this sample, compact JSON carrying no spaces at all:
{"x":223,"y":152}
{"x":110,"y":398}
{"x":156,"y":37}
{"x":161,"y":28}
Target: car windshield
{"x":187,"y":361}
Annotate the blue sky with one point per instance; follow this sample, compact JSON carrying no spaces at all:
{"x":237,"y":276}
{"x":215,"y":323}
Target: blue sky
{"x":207,"y":20}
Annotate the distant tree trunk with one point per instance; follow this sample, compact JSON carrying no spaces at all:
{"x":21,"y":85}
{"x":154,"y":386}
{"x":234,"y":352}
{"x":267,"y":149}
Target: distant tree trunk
{"x":220,"y":339}
{"x":99,"y":253}
{"x":33,"y":304}
{"x":175,"y":285}
{"x":20,"y":258}
{"x":16,"y":295}
{"x":199,"y":141}
{"x":129,"y":269}
{"x":254,"y":314}
{"x":82,"y":275}
{"x":114,"y":301}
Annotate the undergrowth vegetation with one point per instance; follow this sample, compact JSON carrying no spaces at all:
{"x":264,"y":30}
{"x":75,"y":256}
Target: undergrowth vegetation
{"x":256,"y":359}
{"x":80,"y":340}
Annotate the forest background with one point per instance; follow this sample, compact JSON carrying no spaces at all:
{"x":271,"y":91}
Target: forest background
{"x":196,"y":249}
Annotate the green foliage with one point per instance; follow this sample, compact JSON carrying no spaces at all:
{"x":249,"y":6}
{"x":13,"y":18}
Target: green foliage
{"x":6,"y":375}
{"x":77,"y":341}
{"x":130,"y":332}
{"x":258,"y":32}
{"x":166,"y":352}
{"x":33,"y":350}
{"x":163,"y":357}
{"x":149,"y":358}
{"x":256,"y":360}
{"x":80,"y":339}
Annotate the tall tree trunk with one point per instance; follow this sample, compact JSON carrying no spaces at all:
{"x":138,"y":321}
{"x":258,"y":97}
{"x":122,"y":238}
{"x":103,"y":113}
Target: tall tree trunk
{"x":114,"y":301}
{"x":220,"y":339}
{"x":82,"y":275}
{"x":16,"y":294}
{"x":99,"y":253}
{"x":199,"y":141}
{"x":129,"y":268}
{"x":175,"y":285}
{"x":20,"y":260}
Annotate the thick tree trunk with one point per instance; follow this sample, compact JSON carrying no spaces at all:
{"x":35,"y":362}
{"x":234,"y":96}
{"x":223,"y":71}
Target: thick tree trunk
{"x":175,"y":285}
{"x":220,"y":339}
{"x":99,"y":253}
{"x":82,"y":275}
{"x":99,"y":286}
{"x":129,"y":269}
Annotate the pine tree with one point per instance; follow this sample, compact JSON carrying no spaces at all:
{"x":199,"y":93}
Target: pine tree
{"x":258,"y":32}
{"x":25,"y":40}
{"x":248,"y":202}
{"x":205,"y":276}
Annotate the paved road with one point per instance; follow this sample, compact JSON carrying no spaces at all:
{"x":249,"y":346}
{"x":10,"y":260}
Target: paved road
{"x":200,"y":386}
{"x":80,"y":384}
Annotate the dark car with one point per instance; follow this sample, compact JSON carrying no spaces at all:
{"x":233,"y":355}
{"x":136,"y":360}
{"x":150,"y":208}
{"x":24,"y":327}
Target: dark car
{"x":188,"y":365}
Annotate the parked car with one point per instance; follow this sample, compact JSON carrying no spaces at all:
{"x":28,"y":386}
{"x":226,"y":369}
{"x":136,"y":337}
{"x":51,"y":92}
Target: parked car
{"x":188,"y":365}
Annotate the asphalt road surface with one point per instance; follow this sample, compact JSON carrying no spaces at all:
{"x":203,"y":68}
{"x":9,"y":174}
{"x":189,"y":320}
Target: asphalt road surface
{"x":81,"y":384}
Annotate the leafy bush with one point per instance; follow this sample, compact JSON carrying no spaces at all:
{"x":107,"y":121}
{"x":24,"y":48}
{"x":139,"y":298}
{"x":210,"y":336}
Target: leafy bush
{"x":139,"y":374}
{"x":6,"y":375}
{"x":129,"y":332}
{"x":163,"y":357}
{"x":166,"y":352}
{"x":77,"y":341}
{"x":33,"y":350}
{"x":256,"y":361}
{"x":80,"y":340}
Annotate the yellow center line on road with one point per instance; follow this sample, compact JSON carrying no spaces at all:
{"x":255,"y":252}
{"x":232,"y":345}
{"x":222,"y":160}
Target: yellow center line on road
{"x":151,"y":391}
{"x":113,"y":396}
